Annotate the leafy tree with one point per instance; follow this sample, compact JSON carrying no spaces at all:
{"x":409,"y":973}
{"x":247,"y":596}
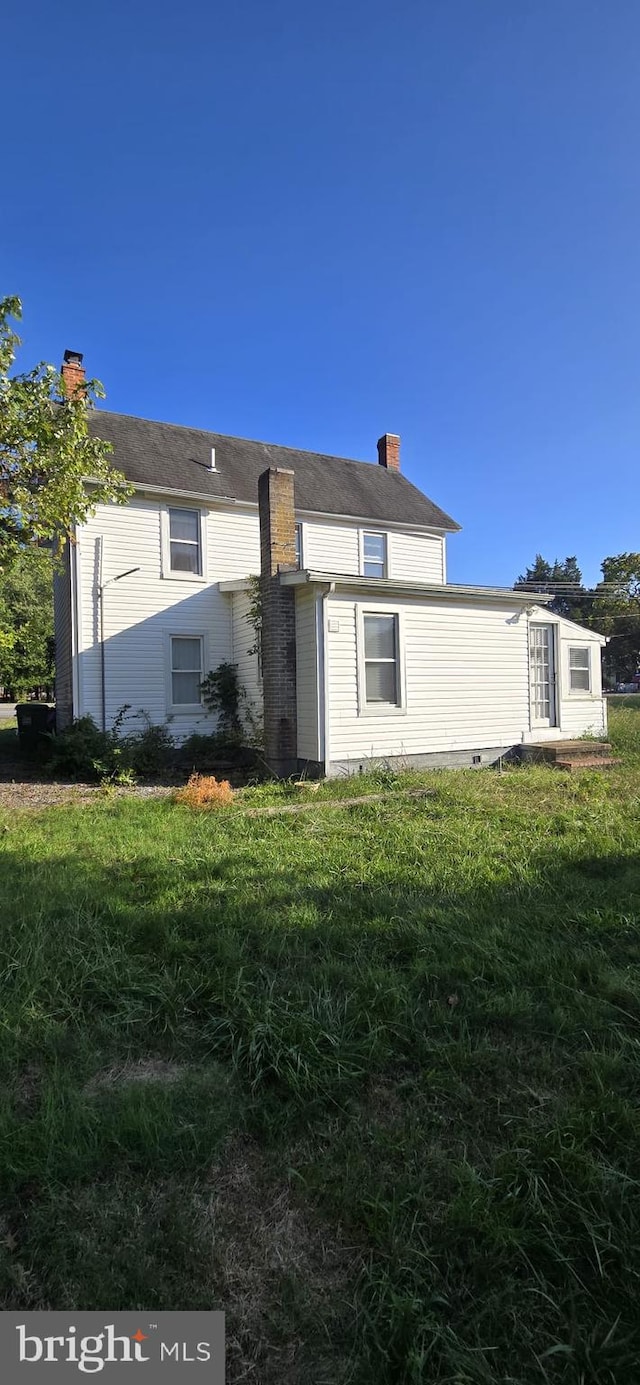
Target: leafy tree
{"x":564,"y":578}
{"x":616,"y":612}
{"x":26,"y":618}
{"x":53,"y":473}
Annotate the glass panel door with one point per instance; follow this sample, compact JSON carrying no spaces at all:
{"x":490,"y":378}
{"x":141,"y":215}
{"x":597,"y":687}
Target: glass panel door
{"x":542,"y":675}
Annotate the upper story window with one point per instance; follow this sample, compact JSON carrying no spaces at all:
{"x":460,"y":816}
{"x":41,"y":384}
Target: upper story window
{"x":185,"y":545}
{"x":298,"y":545}
{"x":374,"y":555}
{"x":579,"y":670}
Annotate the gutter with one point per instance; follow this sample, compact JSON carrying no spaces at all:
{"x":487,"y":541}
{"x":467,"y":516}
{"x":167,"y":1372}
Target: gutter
{"x":401,"y":587}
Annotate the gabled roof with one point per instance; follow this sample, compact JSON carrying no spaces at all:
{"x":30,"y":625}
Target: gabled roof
{"x":175,"y":458}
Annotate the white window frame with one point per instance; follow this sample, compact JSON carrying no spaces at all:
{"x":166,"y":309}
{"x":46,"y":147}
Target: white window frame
{"x":580,"y":692}
{"x":380,"y":709}
{"x":165,"y":545}
{"x":300,"y":544}
{"x":184,"y":708}
{"x":378,"y":534}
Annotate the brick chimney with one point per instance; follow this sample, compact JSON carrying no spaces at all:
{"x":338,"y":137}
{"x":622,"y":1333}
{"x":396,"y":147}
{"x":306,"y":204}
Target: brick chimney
{"x":389,"y":451}
{"x":278,"y":554}
{"x":72,"y":372}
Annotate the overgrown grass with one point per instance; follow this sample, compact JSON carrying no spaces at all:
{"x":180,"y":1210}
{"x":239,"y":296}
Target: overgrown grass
{"x":366,"y":1077}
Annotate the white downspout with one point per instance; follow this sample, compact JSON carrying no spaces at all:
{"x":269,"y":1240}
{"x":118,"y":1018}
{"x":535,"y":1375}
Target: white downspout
{"x":323,"y":679}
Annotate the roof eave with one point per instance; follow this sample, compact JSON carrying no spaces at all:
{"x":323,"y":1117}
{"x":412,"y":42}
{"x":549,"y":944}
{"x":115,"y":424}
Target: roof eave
{"x":391,"y":586}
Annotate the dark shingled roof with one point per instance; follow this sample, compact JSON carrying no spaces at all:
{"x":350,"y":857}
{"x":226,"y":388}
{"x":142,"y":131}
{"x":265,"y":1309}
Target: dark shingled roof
{"x":176,"y":458}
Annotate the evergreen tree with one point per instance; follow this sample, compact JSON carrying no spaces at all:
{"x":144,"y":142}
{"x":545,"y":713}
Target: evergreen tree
{"x":564,"y":579}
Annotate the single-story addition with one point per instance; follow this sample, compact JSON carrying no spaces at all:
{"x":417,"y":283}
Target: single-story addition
{"x":367,"y":653}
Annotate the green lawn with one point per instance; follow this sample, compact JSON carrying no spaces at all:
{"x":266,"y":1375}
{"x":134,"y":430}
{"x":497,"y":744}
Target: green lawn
{"x":366,"y":1077}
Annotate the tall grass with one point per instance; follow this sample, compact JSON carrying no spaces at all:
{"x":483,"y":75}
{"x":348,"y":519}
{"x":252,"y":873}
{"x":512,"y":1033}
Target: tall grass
{"x":421,"y":1015}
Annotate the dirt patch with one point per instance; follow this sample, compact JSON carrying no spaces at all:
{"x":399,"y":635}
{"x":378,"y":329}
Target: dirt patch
{"x":19,"y":794}
{"x":384,"y":1105}
{"x":285,"y":1275}
{"x":144,"y":1070}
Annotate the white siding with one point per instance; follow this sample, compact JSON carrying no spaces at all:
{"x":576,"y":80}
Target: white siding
{"x":580,"y":712}
{"x":143,"y":610}
{"x":416,"y":557}
{"x":307,"y":690}
{"x":337,"y":548}
{"x":244,"y":639}
{"x":466,"y":678}
{"x":465,"y":668}
{"x":331,"y":547}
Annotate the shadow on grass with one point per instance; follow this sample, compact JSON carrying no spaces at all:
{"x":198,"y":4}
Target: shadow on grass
{"x":450,"y":1072}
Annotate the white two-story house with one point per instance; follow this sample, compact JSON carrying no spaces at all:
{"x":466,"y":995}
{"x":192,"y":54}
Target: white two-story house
{"x":368,"y":653}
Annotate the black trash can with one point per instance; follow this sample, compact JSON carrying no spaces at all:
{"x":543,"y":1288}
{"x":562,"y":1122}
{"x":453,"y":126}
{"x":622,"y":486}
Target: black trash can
{"x":35,"y":720}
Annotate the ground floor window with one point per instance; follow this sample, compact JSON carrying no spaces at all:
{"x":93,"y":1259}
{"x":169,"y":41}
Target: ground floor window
{"x":186,"y":670}
{"x":579,"y":670}
{"x":381,"y":661}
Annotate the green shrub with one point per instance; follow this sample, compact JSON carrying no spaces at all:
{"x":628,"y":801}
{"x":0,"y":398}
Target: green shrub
{"x":220,"y":748}
{"x":223,"y":694}
{"x":150,"y":752}
{"x":83,"y":751}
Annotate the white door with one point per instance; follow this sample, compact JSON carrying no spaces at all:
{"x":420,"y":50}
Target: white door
{"x":543,"y":675}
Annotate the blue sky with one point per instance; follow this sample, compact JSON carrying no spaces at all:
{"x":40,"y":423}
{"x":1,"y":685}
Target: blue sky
{"x":314,"y":223}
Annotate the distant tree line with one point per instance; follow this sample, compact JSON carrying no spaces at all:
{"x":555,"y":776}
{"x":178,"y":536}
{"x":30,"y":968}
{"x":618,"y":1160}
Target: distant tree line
{"x":26,"y":624}
{"x":612,"y":606}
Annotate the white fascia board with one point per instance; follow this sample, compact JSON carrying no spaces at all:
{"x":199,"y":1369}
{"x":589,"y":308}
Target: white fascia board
{"x":395,"y":586}
{"x":235,"y":584}
{"x":584,"y":632}
{"x":375,"y":524}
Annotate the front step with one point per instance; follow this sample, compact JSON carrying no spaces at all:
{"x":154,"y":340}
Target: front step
{"x":583,"y":752}
{"x":587,"y":762}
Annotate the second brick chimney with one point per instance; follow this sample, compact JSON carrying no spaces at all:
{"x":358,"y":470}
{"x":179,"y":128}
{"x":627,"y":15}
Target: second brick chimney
{"x":72,"y":372}
{"x":278,"y":554}
{"x":389,"y":451}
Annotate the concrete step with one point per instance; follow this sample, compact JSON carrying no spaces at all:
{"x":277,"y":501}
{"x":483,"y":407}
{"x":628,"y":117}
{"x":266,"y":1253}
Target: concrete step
{"x":573,"y":763}
{"x":549,"y":752}
{"x":582,"y":747}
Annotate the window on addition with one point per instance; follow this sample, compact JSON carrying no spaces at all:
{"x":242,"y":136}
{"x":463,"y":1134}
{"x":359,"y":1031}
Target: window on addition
{"x":579,"y":670}
{"x":381,"y":669}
